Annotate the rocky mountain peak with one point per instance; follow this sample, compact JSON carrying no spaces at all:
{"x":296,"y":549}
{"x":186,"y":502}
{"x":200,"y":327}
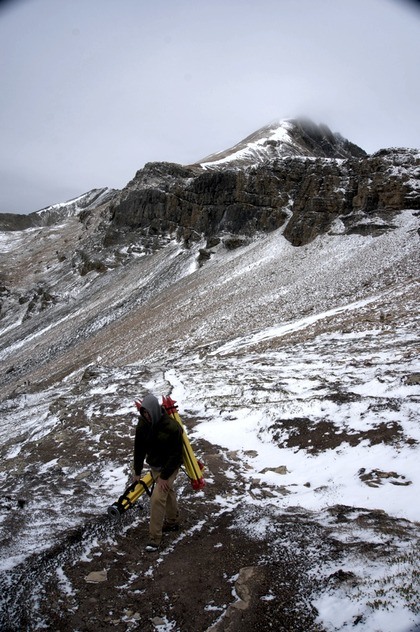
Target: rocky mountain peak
{"x":279,"y":139}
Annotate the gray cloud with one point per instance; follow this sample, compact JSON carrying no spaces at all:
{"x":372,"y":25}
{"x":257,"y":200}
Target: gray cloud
{"x":93,"y":90}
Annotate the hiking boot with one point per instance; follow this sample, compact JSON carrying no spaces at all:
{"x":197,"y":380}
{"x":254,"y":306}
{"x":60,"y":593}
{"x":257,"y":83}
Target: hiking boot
{"x":168,"y":527}
{"x":152,"y":547}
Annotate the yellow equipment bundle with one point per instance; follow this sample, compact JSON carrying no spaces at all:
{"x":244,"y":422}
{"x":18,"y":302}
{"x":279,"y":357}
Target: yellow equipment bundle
{"x":131,"y":495}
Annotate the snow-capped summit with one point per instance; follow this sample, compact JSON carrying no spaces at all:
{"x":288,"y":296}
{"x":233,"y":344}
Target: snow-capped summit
{"x":290,"y":137}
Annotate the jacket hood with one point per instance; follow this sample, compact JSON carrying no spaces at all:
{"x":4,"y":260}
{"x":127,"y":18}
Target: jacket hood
{"x":151,"y":404}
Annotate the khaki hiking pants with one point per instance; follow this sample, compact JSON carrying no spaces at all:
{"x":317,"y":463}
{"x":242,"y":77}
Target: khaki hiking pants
{"x":163,"y":507}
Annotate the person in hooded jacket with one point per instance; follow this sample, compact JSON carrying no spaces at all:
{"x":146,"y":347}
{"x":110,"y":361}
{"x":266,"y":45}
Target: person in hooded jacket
{"x":158,"y":441}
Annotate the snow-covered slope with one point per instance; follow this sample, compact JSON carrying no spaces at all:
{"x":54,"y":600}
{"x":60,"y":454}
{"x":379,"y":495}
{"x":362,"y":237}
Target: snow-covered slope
{"x":63,"y":210}
{"x":300,"y":365}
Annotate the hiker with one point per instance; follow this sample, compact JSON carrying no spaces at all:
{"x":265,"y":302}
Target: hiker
{"x":159,"y":441}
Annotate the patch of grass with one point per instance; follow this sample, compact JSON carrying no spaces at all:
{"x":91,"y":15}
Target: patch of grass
{"x":400,"y":583}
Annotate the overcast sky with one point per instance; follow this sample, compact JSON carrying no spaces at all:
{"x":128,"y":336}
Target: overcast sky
{"x":91,"y":90}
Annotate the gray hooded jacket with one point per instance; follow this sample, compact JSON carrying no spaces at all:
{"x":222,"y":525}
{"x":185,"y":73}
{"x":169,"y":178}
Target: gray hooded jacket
{"x":159,"y":442}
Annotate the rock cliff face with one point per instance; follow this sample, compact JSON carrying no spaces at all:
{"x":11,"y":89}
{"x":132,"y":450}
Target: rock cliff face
{"x":314,"y":179}
{"x":364,"y":194}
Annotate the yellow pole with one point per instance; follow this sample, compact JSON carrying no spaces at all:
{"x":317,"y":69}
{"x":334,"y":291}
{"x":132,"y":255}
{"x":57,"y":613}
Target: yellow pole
{"x":192,"y":466}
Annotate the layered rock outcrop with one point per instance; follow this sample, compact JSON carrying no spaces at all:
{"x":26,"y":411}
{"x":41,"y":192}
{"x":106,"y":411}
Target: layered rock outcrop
{"x":309,"y":193}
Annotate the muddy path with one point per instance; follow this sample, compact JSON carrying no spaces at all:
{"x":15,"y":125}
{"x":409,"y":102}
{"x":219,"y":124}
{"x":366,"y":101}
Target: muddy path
{"x":210,"y":575}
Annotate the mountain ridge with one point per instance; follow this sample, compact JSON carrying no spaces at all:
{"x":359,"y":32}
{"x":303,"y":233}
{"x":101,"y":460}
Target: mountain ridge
{"x":56,"y":213}
{"x":293,"y":139}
